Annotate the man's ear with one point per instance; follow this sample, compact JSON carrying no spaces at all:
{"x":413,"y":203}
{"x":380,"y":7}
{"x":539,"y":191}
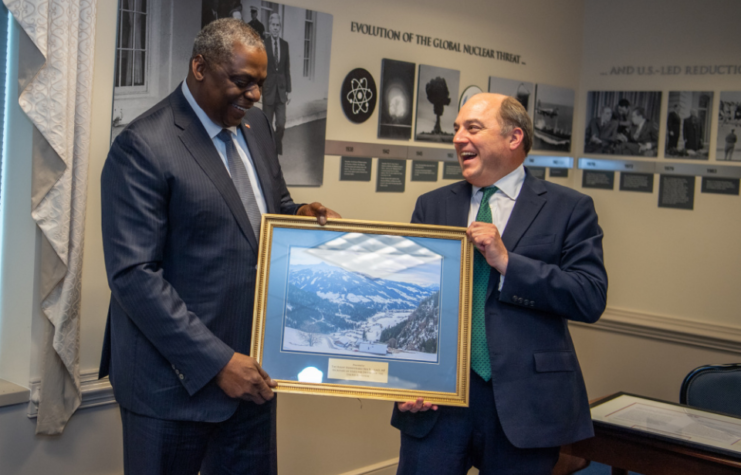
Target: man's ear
{"x":516,"y":138}
{"x":198,"y":67}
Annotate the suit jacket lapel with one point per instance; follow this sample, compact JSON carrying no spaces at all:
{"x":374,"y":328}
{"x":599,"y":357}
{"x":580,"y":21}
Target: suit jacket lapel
{"x":527,"y":207}
{"x":201,"y":147}
{"x":458,"y":204}
{"x":261,"y":167}
{"x":529,"y":203}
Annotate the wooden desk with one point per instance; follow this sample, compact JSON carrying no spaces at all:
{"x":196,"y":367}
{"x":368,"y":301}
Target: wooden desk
{"x":648,"y":456}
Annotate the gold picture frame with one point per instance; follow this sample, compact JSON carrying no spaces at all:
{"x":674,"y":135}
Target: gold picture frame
{"x":364,"y":309}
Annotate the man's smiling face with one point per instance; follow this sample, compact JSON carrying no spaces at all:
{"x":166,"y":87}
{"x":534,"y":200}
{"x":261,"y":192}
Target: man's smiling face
{"x":229,"y":89}
{"x":482,"y":150}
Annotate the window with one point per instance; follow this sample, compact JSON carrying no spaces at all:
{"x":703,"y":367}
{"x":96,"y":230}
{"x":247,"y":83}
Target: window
{"x":309,"y":44}
{"x":131,"y":46}
{"x":5,"y":19}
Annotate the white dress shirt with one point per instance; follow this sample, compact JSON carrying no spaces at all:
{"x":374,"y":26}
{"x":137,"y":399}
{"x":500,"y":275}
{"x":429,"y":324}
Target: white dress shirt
{"x":213,"y":129}
{"x":502,"y":202}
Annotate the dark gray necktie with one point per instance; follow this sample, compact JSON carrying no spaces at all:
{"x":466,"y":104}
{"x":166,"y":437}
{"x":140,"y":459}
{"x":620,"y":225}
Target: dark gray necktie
{"x":241,"y":181}
{"x":276,"y":53}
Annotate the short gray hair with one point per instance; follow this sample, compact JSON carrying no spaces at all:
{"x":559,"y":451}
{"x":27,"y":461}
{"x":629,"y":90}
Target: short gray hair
{"x":216,"y":40}
{"x":513,"y":115}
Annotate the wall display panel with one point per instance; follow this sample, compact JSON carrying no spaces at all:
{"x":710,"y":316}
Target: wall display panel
{"x":397,"y":100}
{"x":688,"y":124}
{"x":537,"y":172}
{"x":640,"y":182}
{"x":720,"y":186}
{"x":452,"y":171}
{"x":391,"y":175}
{"x":153,"y":50}
{"x":729,"y":127}
{"x":677,"y":191}
{"x":355,"y":169}
{"x":423,"y":170}
{"x":599,"y":179}
{"x":553,"y":119}
{"x":436,"y":108}
{"x":622,"y":123}
{"x":520,"y":90}
{"x":558,"y":172}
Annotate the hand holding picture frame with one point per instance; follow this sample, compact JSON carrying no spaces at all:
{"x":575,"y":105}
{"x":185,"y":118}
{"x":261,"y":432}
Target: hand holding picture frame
{"x":364,"y":309}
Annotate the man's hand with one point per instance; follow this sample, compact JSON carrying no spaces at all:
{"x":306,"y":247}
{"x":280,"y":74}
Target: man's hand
{"x":486,"y":238}
{"x":416,"y":406}
{"x":288,"y":98}
{"x":243,"y":378}
{"x":318,"y":210}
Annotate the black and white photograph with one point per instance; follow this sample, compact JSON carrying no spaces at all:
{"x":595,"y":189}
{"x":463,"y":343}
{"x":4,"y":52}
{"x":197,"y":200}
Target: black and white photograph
{"x":521,"y":90}
{"x":553,"y":119}
{"x":688,"y":124}
{"x":153,"y":49}
{"x":397,"y":100}
{"x":729,"y":127}
{"x":437,"y":105}
{"x":623,"y":123}
{"x":363,"y":303}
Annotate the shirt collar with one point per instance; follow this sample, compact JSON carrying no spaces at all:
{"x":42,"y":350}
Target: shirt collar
{"x":212,"y":128}
{"x":510,"y":185}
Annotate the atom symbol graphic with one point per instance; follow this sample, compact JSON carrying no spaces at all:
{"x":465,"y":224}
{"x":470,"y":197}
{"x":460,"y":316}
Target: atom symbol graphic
{"x":359,"y":96}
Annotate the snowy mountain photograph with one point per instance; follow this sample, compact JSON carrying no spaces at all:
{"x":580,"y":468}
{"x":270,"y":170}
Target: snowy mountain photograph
{"x":364,"y":295}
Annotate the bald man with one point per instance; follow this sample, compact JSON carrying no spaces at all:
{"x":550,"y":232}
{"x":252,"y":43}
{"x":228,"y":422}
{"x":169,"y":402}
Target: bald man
{"x":538,"y":264}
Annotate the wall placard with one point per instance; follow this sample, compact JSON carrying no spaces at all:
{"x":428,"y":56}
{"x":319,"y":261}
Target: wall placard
{"x":641,"y":182}
{"x":558,"y":172}
{"x":637,"y":166}
{"x":362,"y":149}
{"x":537,"y":172}
{"x":550,"y":162}
{"x":720,"y":186}
{"x":452,"y":171}
{"x":355,"y":169}
{"x":676,"y":191}
{"x":424,"y":170}
{"x":600,"y":179}
{"x":391,"y":175}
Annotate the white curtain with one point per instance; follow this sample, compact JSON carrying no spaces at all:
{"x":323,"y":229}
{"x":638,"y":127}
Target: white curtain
{"x":57,"y":100}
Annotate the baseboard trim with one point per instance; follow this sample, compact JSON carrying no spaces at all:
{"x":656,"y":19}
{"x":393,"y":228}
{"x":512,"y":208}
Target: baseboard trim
{"x":370,"y":469}
{"x":671,"y":329}
{"x":95,"y":392}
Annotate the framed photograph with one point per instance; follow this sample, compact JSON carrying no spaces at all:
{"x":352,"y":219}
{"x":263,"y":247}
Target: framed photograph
{"x":520,"y":90}
{"x":554,"y":115}
{"x":364,"y":309}
{"x":729,"y":127}
{"x":397,"y":98}
{"x":688,"y":125}
{"x":623,"y":123}
{"x":153,"y":50}
{"x":437,"y":90}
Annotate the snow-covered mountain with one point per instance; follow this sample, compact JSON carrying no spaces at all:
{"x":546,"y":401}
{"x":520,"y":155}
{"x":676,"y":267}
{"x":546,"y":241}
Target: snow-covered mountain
{"x":336,"y":299}
{"x":419,"y":331}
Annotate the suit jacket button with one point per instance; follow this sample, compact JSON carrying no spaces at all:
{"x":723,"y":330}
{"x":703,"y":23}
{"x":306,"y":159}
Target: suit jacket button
{"x":182,"y":377}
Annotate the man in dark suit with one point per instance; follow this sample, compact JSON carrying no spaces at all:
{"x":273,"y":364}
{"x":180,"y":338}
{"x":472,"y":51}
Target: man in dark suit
{"x":673,"y":123}
{"x":692,"y":129}
{"x":255,"y":23}
{"x":601,"y":133}
{"x":538,"y":264}
{"x":276,"y":92}
{"x":642,"y":136}
{"x":183,"y":191}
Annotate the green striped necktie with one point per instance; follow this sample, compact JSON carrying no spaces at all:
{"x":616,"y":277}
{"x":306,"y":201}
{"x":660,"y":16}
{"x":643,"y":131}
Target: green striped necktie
{"x":481,"y":271}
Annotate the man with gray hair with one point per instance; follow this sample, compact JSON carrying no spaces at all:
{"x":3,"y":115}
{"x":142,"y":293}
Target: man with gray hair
{"x":277,"y":88}
{"x":538,"y":263}
{"x":183,"y":191}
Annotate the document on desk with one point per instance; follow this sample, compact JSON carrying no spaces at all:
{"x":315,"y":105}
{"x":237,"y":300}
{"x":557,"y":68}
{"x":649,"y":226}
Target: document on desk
{"x":693,"y":426}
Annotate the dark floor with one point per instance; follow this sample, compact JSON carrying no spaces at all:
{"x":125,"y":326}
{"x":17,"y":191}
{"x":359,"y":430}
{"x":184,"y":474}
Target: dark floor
{"x":598,"y":469}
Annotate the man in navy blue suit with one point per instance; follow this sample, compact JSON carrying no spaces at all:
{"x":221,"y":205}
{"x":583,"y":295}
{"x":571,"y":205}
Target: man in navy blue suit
{"x":540,"y":265}
{"x":183,"y":191}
